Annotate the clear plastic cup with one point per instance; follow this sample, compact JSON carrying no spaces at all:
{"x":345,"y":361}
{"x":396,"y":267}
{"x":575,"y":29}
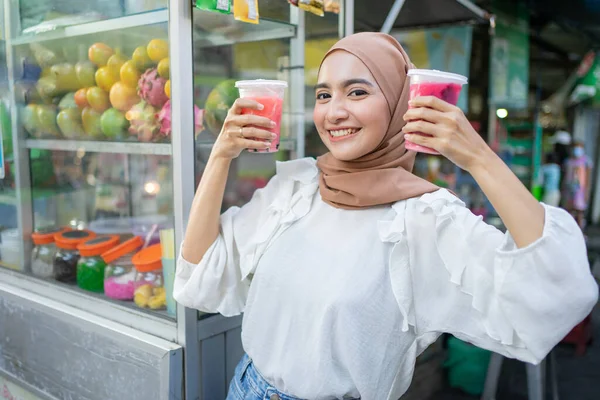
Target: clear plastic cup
{"x":430,"y":82}
{"x":270,"y":94}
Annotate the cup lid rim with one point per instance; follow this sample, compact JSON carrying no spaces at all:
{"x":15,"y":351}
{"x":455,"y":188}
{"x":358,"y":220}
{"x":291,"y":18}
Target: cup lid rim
{"x":260,"y":82}
{"x":438,"y":74}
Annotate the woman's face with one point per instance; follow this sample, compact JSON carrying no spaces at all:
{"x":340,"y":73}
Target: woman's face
{"x":351,"y":113}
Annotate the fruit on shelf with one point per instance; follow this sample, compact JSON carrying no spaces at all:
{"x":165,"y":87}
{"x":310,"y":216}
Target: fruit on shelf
{"x":43,"y":56}
{"x":218,"y":103}
{"x":105,"y":79}
{"x":68,"y":101}
{"x":143,"y":122}
{"x":46,"y":118}
{"x":81,"y":98}
{"x":90,"y":119}
{"x":30,"y":119}
{"x":66,"y":78}
{"x":114,"y":64}
{"x":129,"y":74}
{"x":85,"y":71}
{"x":164,"y":119}
{"x":151,"y":88}
{"x":158,"y":49}
{"x":123,"y":97}
{"x":113,"y":124}
{"x":98,"y":99}
{"x":140,"y":58}
{"x":99,"y":53}
{"x":168,"y":88}
{"x":163,"y":68}
{"x":69,"y":122}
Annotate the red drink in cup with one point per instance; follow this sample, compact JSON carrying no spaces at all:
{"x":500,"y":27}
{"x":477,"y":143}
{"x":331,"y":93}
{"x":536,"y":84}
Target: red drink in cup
{"x":429,"y":82}
{"x":270,"y":95}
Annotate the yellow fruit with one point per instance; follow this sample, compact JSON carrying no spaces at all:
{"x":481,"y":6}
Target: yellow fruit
{"x":104,"y":79}
{"x":99,"y":53}
{"x":158,"y":49}
{"x":140,"y":59}
{"x":163,"y":68}
{"x":130,"y":74}
{"x":114,"y":64}
{"x":98,"y":99}
{"x":123,"y":97}
{"x":168,"y":88}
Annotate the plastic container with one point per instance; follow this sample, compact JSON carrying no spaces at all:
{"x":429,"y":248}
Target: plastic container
{"x":67,"y":256}
{"x":270,"y":94}
{"x":149,"y":286}
{"x":119,"y":274}
{"x":429,"y":82}
{"x":44,"y":251}
{"x":90,"y":267}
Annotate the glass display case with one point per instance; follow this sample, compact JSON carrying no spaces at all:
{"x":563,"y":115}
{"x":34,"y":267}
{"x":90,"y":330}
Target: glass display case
{"x":108,"y":112}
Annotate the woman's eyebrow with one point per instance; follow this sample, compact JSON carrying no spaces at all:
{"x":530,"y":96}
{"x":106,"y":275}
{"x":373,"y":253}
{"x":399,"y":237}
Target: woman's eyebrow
{"x":346,"y":83}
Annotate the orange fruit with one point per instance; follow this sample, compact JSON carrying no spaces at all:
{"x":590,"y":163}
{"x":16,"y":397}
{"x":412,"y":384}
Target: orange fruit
{"x":81,"y":98}
{"x":114,"y":64}
{"x":123,"y":97}
{"x":164,"y":68}
{"x":129,"y":74}
{"x":168,"y":88}
{"x":140,"y":59}
{"x":157,"y":49}
{"x":99,"y":53}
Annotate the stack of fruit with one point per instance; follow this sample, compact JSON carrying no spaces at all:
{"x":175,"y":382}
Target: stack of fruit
{"x":107,"y":96}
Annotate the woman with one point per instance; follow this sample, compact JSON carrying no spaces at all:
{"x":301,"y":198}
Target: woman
{"x":348,"y":268}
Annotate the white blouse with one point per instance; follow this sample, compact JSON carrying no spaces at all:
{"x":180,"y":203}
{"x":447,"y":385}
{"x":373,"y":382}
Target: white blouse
{"x":339,"y":303}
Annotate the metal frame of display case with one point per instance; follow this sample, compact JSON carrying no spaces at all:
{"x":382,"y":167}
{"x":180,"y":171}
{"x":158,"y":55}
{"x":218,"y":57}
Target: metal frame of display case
{"x":187,"y":331}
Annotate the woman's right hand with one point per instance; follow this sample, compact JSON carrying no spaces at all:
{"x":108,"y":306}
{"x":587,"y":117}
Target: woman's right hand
{"x":240,"y":132}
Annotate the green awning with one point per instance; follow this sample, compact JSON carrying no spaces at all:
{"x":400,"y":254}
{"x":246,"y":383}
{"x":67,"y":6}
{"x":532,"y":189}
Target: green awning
{"x":587,"y":87}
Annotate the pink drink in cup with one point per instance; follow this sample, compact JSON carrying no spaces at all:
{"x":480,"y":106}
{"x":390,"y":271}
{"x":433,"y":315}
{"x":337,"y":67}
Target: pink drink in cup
{"x":270,"y":95}
{"x":429,"y":82}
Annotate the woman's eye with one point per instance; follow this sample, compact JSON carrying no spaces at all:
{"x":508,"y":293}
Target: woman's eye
{"x":358,"y":92}
{"x":322,"y":96}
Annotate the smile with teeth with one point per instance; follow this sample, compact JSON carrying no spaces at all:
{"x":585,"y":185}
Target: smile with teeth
{"x":343,"y":132}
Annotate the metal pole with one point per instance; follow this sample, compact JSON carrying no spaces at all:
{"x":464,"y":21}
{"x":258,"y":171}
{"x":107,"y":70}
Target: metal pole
{"x":183,"y":143}
{"x":297,"y":79}
{"x":23,"y":187}
{"x":392,"y":16}
{"x":346,"y":19}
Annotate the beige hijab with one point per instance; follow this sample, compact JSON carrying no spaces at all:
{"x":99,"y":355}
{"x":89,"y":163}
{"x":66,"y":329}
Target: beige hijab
{"x":383,"y":175}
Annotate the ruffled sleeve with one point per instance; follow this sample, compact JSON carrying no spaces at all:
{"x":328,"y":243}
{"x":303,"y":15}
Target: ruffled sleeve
{"x":453,"y":273}
{"x":220,"y":282}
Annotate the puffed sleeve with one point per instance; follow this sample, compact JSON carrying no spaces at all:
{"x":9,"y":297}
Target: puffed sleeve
{"x":469,"y":279}
{"x":219,"y":283}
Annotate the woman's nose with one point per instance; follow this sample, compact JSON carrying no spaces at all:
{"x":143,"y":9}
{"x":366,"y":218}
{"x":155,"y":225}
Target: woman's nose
{"x":337,"y":111}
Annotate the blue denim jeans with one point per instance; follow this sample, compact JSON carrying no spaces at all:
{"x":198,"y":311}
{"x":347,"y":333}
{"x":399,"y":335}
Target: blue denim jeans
{"x":248,"y":384}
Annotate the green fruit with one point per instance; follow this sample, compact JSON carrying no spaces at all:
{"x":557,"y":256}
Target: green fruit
{"x":113,"y":123}
{"x":30,"y":119}
{"x":47,"y":121}
{"x":69,"y":122}
{"x":85,"y":71}
{"x":218,"y":103}
{"x":68,"y":101}
{"x":90,"y":120}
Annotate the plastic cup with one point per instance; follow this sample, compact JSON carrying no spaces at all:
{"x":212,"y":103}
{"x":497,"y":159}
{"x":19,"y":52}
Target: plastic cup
{"x":168,"y":271}
{"x":270,"y":94}
{"x":430,"y":82}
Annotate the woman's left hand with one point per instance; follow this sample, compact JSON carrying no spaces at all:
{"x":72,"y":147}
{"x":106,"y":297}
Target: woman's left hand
{"x":451,"y":133}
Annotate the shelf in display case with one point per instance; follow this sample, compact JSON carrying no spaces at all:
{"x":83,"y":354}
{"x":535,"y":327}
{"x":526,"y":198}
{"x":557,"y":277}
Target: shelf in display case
{"x":163,"y":149}
{"x":129,"y":21}
{"x":215,"y":29}
{"x":287,"y":144}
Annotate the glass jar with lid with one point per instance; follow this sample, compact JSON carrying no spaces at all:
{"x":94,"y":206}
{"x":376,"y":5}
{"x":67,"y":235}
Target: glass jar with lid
{"x":67,"y":255}
{"x":149,"y":287}
{"x":119,"y":274}
{"x":44,"y":250}
{"x":90,"y":267}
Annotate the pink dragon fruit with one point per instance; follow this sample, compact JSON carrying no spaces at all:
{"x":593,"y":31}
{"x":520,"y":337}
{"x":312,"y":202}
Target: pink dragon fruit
{"x":151,"y":87}
{"x":164,"y":119}
{"x":143,"y":122}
